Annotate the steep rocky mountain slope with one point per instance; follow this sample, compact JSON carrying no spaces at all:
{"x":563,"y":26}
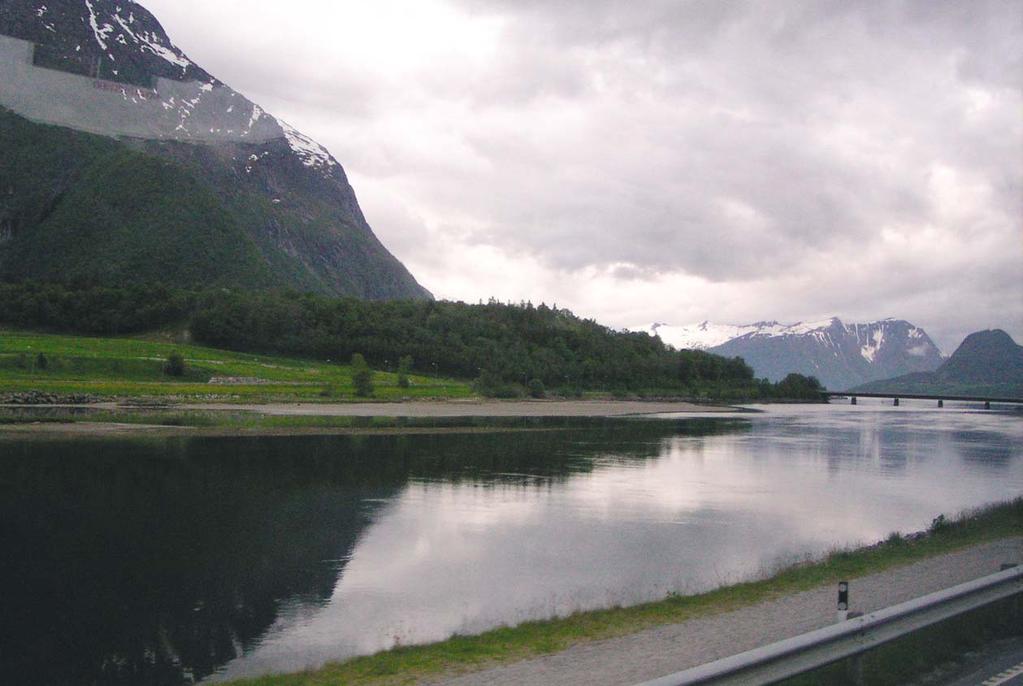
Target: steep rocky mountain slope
{"x":121,"y":160}
{"x":840,"y":355}
{"x":988,"y":363}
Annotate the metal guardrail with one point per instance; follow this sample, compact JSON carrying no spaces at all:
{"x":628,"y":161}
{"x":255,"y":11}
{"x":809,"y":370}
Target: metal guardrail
{"x":820,"y":648}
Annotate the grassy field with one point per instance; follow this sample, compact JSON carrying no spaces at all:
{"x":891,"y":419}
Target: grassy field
{"x":134,"y":367}
{"x":465,"y":653}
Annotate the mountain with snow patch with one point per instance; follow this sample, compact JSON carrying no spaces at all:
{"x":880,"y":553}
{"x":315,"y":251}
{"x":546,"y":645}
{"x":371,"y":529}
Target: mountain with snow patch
{"x":987,"y":364}
{"x":121,"y":160}
{"x":840,"y":355}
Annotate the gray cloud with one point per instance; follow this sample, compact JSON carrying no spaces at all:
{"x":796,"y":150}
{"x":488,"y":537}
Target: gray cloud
{"x":873,"y":148}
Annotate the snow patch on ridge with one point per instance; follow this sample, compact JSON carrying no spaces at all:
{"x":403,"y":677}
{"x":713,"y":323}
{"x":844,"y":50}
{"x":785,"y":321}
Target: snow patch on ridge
{"x":806,"y":327}
{"x":257,"y":113}
{"x":872,"y":346}
{"x":151,"y":42}
{"x":100,"y":33}
{"x":309,"y":151}
{"x":167,"y":54}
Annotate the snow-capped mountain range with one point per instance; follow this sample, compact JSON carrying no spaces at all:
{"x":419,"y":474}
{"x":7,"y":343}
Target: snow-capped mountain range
{"x":840,"y":355}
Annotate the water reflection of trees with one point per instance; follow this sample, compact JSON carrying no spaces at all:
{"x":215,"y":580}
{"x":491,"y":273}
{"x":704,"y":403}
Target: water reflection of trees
{"x":158,"y":561}
{"x":154,"y":564}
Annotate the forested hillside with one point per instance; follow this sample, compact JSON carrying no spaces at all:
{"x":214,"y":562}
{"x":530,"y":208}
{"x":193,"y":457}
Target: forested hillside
{"x":78,"y":206}
{"x":505,"y":348}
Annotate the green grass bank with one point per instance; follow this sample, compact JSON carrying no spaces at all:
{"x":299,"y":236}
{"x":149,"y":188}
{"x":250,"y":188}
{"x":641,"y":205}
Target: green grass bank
{"x":134,"y":368}
{"x":467,"y":653}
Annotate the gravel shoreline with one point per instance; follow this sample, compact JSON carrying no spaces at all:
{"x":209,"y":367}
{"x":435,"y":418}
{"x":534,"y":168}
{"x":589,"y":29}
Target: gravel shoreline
{"x":474,"y":409}
{"x":471,"y":408}
{"x":657,"y":652}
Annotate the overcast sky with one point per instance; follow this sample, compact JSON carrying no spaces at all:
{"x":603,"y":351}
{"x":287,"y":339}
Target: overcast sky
{"x":664,"y":160}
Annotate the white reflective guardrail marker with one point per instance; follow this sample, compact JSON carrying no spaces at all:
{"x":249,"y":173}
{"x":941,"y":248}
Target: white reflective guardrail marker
{"x":843,"y":601}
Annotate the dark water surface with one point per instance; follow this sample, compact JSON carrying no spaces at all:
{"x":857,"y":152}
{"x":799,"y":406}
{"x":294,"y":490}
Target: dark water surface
{"x":173,"y":560}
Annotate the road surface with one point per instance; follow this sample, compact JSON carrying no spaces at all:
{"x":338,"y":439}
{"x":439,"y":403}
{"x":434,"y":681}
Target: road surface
{"x":664,"y":650}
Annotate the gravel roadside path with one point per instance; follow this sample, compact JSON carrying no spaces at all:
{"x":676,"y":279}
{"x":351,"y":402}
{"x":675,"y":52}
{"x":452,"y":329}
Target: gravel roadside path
{"x":664,"y":650}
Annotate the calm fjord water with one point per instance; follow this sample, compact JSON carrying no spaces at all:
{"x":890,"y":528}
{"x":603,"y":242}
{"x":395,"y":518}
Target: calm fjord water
{"x":167,"y":561}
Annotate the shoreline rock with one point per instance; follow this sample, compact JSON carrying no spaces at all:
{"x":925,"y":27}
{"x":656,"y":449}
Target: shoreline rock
{"x":43,"y":398}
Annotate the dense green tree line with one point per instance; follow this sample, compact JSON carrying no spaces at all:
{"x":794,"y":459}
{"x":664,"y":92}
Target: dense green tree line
{"x":514,"y":343}
{"x":508,"y":349}
{"x":90,"y":309}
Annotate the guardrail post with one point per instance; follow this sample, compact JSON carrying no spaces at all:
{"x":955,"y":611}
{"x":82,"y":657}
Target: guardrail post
{"x":854,"y":400}
{"x":896,"y":402}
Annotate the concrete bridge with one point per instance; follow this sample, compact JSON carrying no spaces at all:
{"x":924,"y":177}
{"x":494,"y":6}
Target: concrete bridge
{"x":940,"y":399}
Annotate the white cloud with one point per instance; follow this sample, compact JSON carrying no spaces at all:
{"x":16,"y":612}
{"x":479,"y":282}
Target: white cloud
{"x":667,"y":161}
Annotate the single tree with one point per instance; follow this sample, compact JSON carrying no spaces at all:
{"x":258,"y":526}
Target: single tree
{"x":537,"y":389}
{"x":41,"y":362}
{"x":362,"y":376}
{"x":487,"y":384}
{"x":175,"y":365}
{"x":404,"y":369}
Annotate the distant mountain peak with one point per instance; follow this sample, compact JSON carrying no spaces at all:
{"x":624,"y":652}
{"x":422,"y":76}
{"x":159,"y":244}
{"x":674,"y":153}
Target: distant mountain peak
{"x":987,"y":363}
{"x":994,"y":338}
{"x":990,"y":356}
{"x":839,"y":354}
